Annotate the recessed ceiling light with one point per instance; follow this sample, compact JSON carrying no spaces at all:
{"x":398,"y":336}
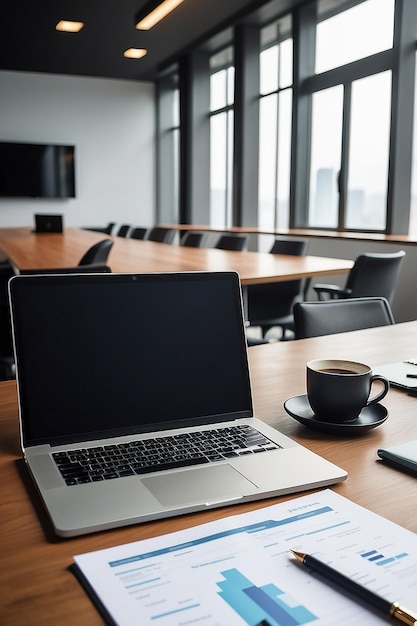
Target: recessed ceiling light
{"x":135,"y":53}
{"x":69,"y":26}
{"x":151,"y":14}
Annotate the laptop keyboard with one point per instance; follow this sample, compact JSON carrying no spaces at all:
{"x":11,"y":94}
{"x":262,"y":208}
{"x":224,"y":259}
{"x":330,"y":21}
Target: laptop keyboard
{"x":161,"y":453}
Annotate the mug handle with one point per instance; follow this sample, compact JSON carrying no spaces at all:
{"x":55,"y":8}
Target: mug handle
{"x":382,"y":393}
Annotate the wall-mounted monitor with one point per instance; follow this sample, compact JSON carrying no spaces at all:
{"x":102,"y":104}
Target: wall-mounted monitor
{"x":32,"y":170}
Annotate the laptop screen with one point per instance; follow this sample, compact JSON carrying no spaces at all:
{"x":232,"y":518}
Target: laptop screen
{"x":112,"y":354}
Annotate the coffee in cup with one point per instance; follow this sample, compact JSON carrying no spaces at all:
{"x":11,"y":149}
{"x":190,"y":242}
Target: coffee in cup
{"x":338,"y":390}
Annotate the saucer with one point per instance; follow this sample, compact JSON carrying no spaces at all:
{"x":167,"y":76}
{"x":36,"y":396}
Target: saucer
{"x":370,"y":417}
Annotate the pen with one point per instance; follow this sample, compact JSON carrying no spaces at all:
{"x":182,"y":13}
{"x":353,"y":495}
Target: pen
{"x":393,"y":609}
{"x":411,"y":375}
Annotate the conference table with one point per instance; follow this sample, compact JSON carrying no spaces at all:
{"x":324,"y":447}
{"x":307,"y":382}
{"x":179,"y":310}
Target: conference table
{"x":36,"y":584}
{"x":28,"y":250}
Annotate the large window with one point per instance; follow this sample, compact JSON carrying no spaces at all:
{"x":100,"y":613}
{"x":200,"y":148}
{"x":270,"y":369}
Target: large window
{"x":168,"y":143}
{"x":221,"y":137}
{"x":275,"y":115}
{"x":305,"y":121}
{"x":347,"y":124}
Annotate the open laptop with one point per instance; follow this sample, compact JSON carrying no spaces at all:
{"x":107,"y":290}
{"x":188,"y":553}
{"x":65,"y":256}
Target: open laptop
{"x":112,"y":364}
{"x":48,"y":223}
{"x":402,"y":374}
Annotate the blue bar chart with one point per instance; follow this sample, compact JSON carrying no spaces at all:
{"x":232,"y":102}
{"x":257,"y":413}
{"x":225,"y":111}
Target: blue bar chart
{"x":376,"y":557}
{"x":267,"y":602}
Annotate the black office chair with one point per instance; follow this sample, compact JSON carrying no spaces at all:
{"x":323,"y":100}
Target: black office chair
{"x":328,"y":317}
{"x":123,"y":230}
{"x":98,"y":253}
{"x":271,"y":304}
{"x":373,"y":274}
{"x":7,"y":369}
{"x":89,"y":268}
{"x":232,"y":242}
{"x":139,"y":232}
{"x":192,"y":239}
{"x":102,"y":229}
{"x":162,"y":235}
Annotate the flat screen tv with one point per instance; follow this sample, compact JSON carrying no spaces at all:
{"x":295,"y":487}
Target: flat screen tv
{"x":33,"y":170}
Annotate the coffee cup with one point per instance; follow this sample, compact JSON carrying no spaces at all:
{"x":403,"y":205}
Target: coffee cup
{"x":338,"y":390}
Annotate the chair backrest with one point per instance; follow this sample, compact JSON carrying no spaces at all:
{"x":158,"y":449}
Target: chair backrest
{"x":192,"y":239}
{"x":232,"y":242}
{"x":296,"y":247}
{"x":162,"y":235}
{"x":98,"y":253}
{"x":375,"y":274}
{"x":328,"y":317}
{"x":139,"y":232}
{"x":275,"y":300}
{"x":90,"y":268}
{"x":123,"y":230}
{"x":101,"y":229}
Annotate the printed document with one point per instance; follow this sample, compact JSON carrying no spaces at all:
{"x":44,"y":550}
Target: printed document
{"x":238,"y":571}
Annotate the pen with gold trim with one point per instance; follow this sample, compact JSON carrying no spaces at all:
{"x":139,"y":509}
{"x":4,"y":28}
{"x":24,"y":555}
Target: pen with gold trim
{"x":392,"y":609}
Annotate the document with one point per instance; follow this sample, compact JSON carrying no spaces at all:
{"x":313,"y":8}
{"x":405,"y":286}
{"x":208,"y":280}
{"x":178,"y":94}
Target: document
{"x":238,"y":571}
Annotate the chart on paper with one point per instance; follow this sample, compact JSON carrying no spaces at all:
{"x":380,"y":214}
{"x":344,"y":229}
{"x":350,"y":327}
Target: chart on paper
{"x":238,"y":571}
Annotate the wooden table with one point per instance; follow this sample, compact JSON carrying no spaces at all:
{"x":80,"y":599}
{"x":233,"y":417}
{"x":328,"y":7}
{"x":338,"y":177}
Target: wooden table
{"x":28,"y":250}
{"x":36,"y":586}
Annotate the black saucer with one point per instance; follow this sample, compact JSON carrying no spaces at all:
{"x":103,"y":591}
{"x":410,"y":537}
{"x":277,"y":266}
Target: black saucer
{"x":370,"y":417}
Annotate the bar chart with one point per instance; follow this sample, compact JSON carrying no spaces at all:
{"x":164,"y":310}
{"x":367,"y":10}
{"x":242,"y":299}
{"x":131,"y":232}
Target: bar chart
{"x":268,"y":602}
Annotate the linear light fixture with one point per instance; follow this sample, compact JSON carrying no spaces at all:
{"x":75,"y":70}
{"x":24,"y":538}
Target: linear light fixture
{"x":135,"y":53}
{"x":69,"y":26}
{"x":154,"y":12}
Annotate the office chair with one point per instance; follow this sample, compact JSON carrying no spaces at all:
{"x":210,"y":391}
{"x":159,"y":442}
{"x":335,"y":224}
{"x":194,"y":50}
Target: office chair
{"x":7,"y":368}
{"x":98,"y":253}
{"x":88,"y":268}
{"x":162,"y":235}
{"x":271,"y":304}
{"x":328,"y":317}
{"x":101,"y":229}
{"x":123,"y":230}
{"x":139,"y":232}
{"x":232,"y":242}
{"x":373,"y":274}
{"x":192,"y":239}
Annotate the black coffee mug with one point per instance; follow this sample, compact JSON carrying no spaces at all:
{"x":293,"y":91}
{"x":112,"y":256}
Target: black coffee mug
{"x":338,"y":390}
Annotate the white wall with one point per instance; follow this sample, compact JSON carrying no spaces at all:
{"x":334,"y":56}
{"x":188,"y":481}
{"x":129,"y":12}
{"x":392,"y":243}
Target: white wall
{"x":112,"y":125}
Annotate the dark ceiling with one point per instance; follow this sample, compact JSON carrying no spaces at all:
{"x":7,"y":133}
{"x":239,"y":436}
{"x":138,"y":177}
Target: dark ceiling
{"x":30,"y":43}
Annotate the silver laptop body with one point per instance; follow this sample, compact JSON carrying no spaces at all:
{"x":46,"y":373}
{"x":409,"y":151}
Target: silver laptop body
{"x":110,"y":359}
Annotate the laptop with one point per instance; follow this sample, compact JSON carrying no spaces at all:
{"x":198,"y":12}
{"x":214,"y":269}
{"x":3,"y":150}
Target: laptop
{"x":118,"y":364}
{"x":402,"y":374}
{"x":47,"y":223}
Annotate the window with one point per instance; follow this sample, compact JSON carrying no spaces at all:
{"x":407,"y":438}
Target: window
{"x":221,"y":137}
{"x":275,"y":115}
{"x":368,"y":155}
{"x":356,"y":33}
{"x":325,"y":157}
{"x":168,"y":143}
{"x":347,"y":117}
{"x":324,"y":139}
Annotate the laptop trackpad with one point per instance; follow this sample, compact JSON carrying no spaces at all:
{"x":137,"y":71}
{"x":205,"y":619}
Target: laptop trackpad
{"x":202,"y":485}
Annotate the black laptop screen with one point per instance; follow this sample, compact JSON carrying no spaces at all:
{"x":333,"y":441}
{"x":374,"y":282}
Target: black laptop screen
{"x":118,"y":354}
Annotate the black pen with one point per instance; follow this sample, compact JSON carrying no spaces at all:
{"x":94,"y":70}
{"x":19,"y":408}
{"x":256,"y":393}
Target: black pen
{"x":411,"y":375}
{"x":393,"y":609}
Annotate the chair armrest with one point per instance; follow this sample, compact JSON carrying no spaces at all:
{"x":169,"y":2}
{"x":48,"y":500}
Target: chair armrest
{"x":333,"y":291}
